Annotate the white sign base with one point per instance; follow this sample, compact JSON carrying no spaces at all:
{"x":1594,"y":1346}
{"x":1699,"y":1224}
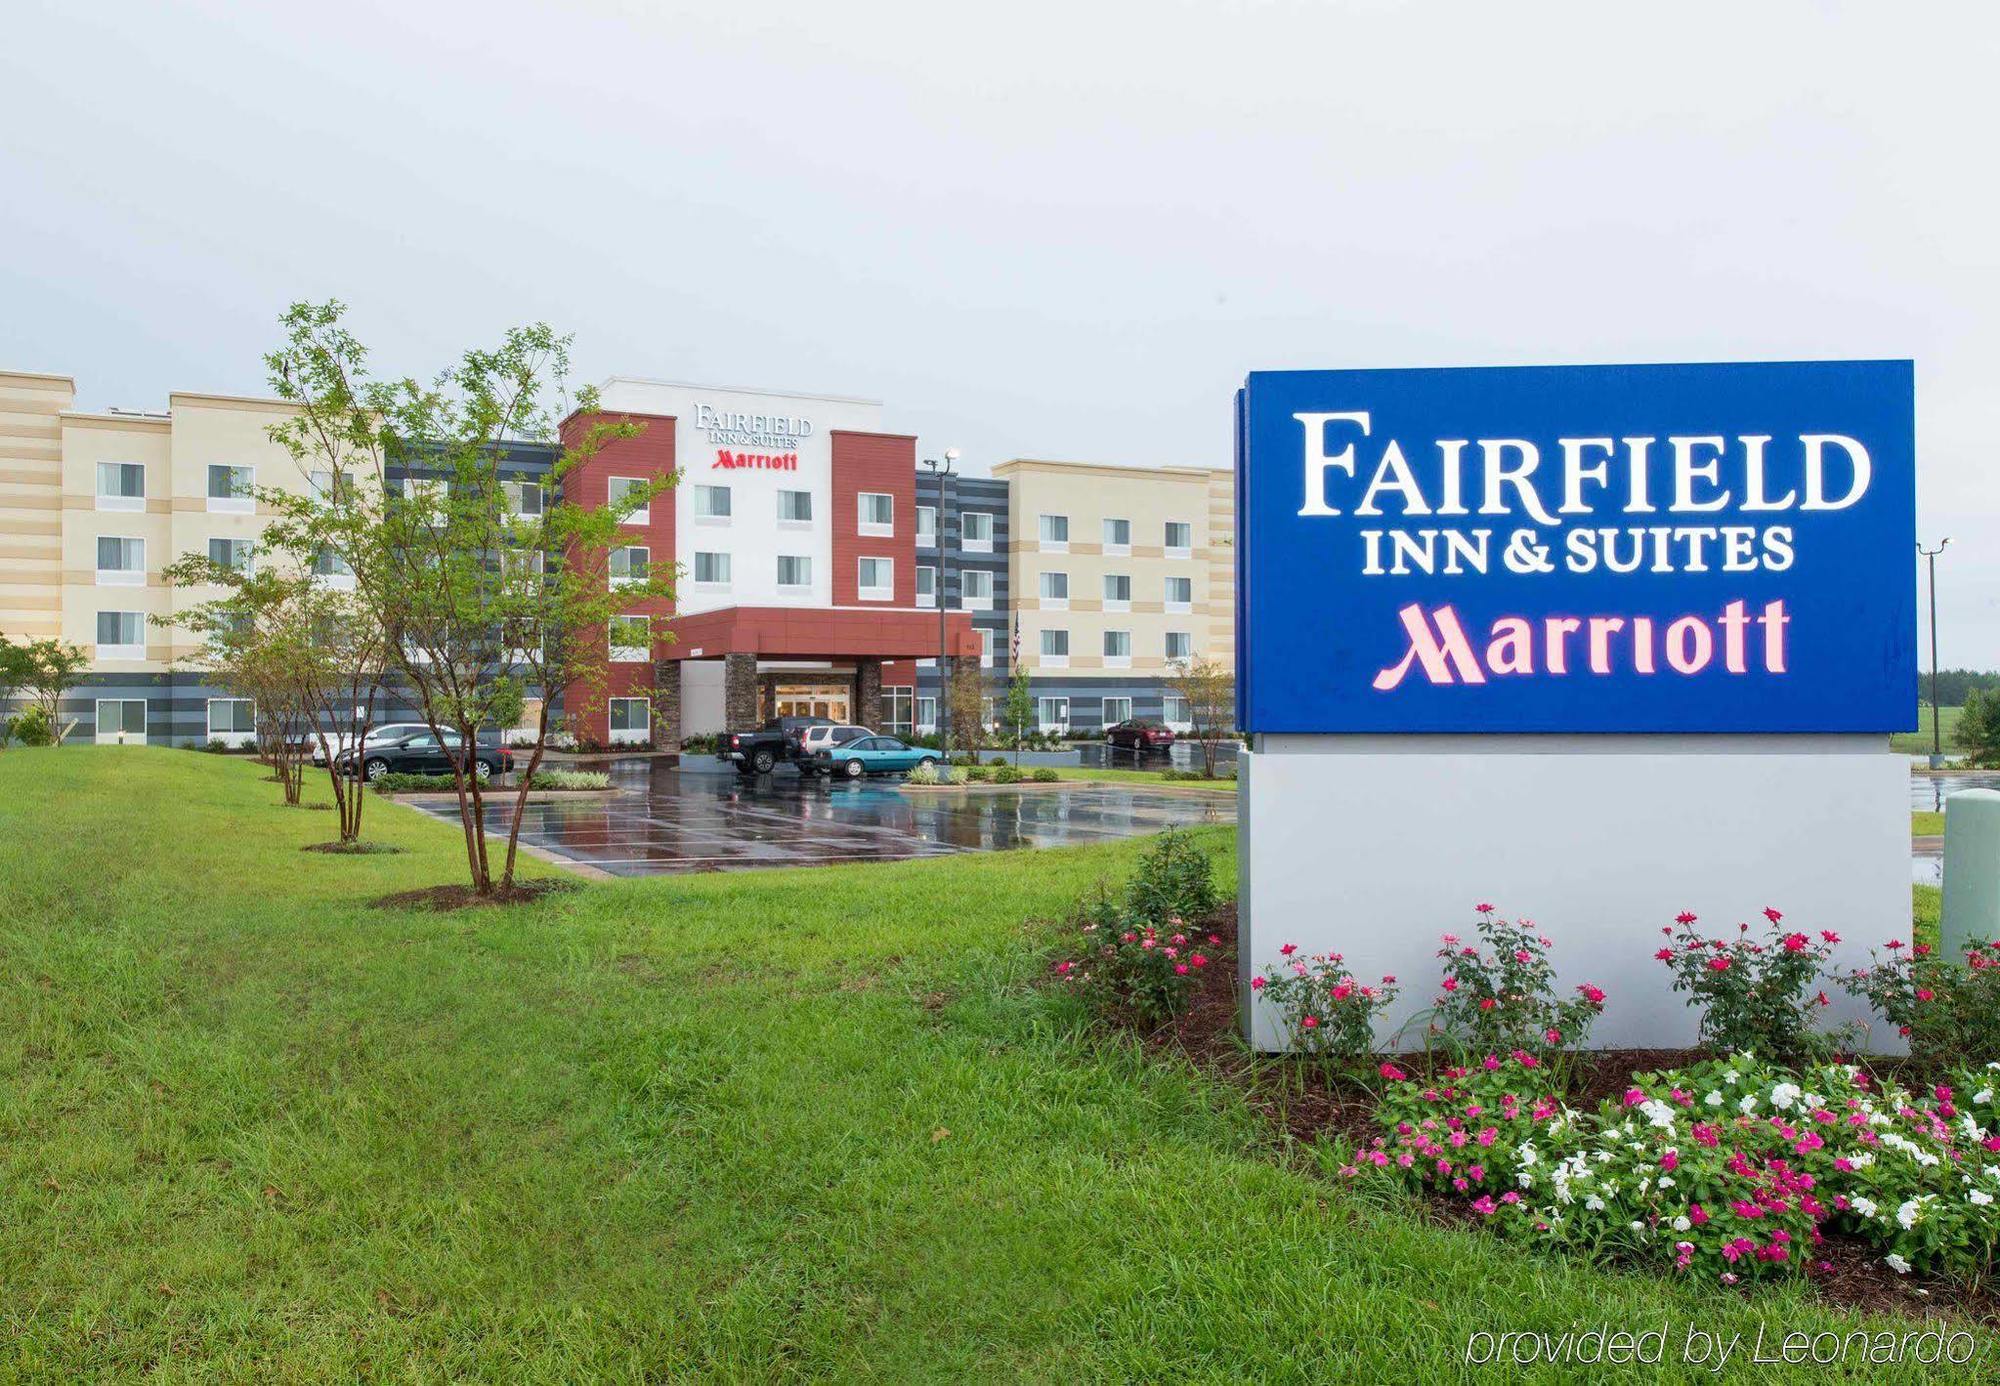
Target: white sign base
{"x":1374,"y":846}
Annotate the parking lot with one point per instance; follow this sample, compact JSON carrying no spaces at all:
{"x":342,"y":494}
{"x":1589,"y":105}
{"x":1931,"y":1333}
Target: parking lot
{"x":662,"y":819}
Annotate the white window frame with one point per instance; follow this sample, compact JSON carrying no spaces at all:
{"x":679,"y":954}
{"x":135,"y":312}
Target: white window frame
{"x":975,"y":601}
{"x":793,"y":521}
{"x":1052,"y":713}
{"x":333,"y":582}
{"x":1170,"y":703}
{"x":1049,"y":545}
{"x":925,"y":712}
{"x":128,"y":504}
{"x":1045,"y":659}
{"x":1046,"y":602}
{"x":628,"y":580}
{"x":1117,"y":661}
{"x":875,"y":529}
{"x":702,"y":494}
{"x":928,"y":599}
{"x":517,"y":491}
{"x":1112,"y":603}
{"x":629,"y":654}
{"x":249,"y":557}
{"x":985,"y":646}
{"x":232,"y":738}
{"x":1187,"y":637}
{"x":629,"y":736}
{"x":122,"y":737}
{"x":1178,"y":550}
{"x":1107,"y":706}
{"x":230,"y":505}
{"x":1114,"y":548}
{"x":137,"y":651}
{"x":804,"y":584}
{"x":124,"y":577}
{"x":711,"y":584}
{"x":927,"y":526}
{"x":1178,"y":607}
{"x":966,"y":541}
{"x":877,"y":592}
{"x":644,"y":514}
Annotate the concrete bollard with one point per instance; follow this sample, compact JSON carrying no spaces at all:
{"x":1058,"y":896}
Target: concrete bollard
{"x":1971,"y":870}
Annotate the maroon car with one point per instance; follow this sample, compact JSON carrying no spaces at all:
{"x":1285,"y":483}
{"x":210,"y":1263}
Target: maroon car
{"x":1141,"y":734}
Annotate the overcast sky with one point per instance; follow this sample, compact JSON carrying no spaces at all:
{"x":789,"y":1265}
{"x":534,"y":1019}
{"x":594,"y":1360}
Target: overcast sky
{"x":1053,"y":230}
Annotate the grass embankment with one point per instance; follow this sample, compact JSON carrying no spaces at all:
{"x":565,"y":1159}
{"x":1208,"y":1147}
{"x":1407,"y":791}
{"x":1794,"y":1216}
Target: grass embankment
{"x":1113,"y":776}
{"x":1918,"y":742}
{"x":787,"y":1124}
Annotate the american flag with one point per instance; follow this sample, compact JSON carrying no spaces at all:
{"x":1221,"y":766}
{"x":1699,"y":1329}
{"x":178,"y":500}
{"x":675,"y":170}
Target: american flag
{"x":1014,"y":650}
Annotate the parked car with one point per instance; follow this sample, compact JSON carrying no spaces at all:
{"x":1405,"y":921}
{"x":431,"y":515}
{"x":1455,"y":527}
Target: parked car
{"x":422,"y":754}
{"x":1141,"y":734}
{"x":813,"y":740}
{"x":868,"y":755}
{"x":780,"y":739}
{"x":377,"y":736}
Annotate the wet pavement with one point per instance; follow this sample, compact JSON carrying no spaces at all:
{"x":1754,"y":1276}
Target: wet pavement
{"x":662,"y":819}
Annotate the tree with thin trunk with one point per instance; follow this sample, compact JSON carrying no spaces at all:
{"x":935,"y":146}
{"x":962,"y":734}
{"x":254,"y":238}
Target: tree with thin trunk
{"x":50,"y":668}
{"x":1019,"y":709}
{"x":1209,"y":690}
{"x":13,"y":671}
{"x":490,"y":583}
{"x":967,"y":692}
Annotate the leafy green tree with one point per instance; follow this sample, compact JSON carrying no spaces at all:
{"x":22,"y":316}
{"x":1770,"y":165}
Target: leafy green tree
{"x":1209,"y":690}
{"x":49,"y":669}
{"x":480,"y":597}
{"x":13,"y":672}
{"x":1018,"y":711}
{"x":1979,"y":725}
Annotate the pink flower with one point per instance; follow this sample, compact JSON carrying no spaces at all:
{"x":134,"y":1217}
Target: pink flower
{"x":1062,"y":968}
{"x":1553,"y":1036}
{"x":1794,"y":943}
{"x":1392,"y":1073}
{"x":1684,"y":918}
{"x":1633,"y":1097}
{"x":1342,"y":992}
{"x":1665,"y":955}
{"x":1718,"y":964}
{"x":1451,"y":984}
{"x":1522,"y":955}
{"x":1180,"y":969}
{"x":1198,"y":960}
{"x":1592,"y":994}
{"x":1829,"y":936}
{"x":1389,"y":980}
{"x":1288,"y":950}
{"x":1925,"y":994}
{"x":1256,"y":984}
{"x":1489,"y":1003}
{"x":1671,"y":1160}
{"x":1311,"y":1022}
{"x":1772,"y":914}
{"x":1484,"y":909}
{"x":1492,"y":1062}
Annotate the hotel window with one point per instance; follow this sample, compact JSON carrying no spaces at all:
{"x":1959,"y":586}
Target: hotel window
{"x":711,"y":503}
{"x":622,"y":489}
{"x":926,"y":715}
{"x":1055,"y":533}
{"x":121,"y":486}
{"x":1180,"y":539}
{"x":1180,"y":594}
{"x":975,"y":531}
{"x":896,"y":710}
{"x":1052,"y":714}
{"x":1055,"y":649}
{"x":631,"y":721}
{"x":1180,"y":645}
{"x":121,"y":635}
{"x":795,"y":507}
{"x":1174,"y":712}
{"x":628,"y":565}
{"x":229,"y":489}
{"x":427,"y":493}
{"x":121,"y":562}
{"x":1114,"y":711}
{"x":331,"y":571}
{"x":926,"y":585}
{"x":711,"y":569}
{"x":631,"y":639}
{"x":524,"y":499}
{"x":1118,"y":649}
{"x":1055,"y":591}
{"x":230,"y":555}
{"x":927,"y":526}
{"x":1117,"y":537}
{"x":876,"y":577}
{"x":794,"y":570}
{"x":1117,"y":592}
{"x":120,"y":720}
{"x":985,"y":647}
{"x":975,"y":589}
{"x":231,"y":718}
{"x":878,"y":513}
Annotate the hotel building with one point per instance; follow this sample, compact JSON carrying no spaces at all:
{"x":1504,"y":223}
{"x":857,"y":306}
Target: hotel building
{"x":813,"y":548}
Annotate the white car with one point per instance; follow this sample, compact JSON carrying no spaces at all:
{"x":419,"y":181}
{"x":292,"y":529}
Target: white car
{"x":813,"y":740}
{"x":341,"y":741}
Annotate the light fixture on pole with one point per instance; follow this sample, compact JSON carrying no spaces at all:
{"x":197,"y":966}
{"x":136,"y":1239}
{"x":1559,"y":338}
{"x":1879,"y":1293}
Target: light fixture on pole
{"x":941,"y":470}
{"x":1930,"y":557}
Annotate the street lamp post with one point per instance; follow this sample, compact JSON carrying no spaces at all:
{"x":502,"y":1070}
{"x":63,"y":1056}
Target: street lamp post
{"x":942,"y":471}
{"x":1930,"y":557}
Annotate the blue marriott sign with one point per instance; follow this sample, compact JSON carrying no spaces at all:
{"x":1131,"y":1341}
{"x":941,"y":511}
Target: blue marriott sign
{"x":1683,"y":548}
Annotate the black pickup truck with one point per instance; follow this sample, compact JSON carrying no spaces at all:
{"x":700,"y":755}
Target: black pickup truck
{"x":778,"y":740}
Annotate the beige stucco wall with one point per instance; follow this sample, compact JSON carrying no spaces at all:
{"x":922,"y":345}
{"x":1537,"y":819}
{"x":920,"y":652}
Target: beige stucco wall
{"x":31,"y":502}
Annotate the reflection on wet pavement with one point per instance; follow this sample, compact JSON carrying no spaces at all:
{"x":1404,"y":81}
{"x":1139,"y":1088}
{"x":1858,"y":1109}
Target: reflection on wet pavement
{"x":662,"y":819}
{"x":1928,"y":792}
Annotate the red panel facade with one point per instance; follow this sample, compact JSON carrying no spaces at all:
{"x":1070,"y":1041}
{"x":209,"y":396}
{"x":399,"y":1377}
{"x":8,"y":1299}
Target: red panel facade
{"x":873,"y":462}
{"x":649,"y":456}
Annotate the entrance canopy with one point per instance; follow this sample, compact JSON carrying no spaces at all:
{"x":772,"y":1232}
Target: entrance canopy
{"x":807,"y":632}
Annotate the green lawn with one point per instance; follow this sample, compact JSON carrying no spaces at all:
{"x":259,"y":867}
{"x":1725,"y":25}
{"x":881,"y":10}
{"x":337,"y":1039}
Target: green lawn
{"x":1918,"y":742}
{"x":1144,"y":777}
{"x":796,"y":1125}
{"x":1926,"y":824}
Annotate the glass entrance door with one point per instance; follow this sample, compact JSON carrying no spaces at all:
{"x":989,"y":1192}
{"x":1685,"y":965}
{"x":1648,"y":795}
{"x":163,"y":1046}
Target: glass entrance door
{"x":833,"y":701}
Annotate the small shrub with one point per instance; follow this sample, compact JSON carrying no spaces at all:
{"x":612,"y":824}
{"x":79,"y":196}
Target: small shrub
{"x":1947,"y":1012}
{"x":975,"y":774}
{"x":32,"y":726}
{"x":1005,"y":774}
{"x":569,"y":779}
{"x":996,"y":760}
{"x":1174,"y":880}
{"x":1326,"y":1008}
{"x":1501,"y":997}
{"x":398,"y":783}
{"x":1043,"y":774}
{"x":1149,"y":970}
{"x":216,"y":746}
{"x":707,"y":744}
{"x":922,"y":774}
{"x":1753,"y":997}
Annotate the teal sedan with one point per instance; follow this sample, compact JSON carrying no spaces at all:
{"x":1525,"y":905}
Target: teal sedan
{"x":871,"y":755}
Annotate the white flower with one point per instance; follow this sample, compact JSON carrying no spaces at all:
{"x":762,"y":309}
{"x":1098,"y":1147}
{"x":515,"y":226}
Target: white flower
{"x":1666,"y":1181}
{"x":1594,"y":1204}
{"x":1908,"y":1214}
{"x":1980,"y":1197}
{"x":1784,"y":1095}
{"x":1682,"y":1224}
{"x":1864,"y":1206}
{"x":1863,"y":1160}
{"x":1714,"y":1099}
{"x":1638,"y":1226}
{"x":1983,"y":1096}
{"x":1659,"y":1113}
{"x":1731,"y":1076}
{"x":1748,"y":1104}
{"x":1896,"y":1263}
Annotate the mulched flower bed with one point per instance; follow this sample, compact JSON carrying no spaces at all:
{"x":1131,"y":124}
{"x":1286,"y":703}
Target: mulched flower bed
{"x":1298,"y":1096}
{"x":445,"y":898}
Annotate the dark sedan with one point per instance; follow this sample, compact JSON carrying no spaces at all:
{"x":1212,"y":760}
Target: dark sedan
{"x":1141,"y":734}
{"x":422,"y":754}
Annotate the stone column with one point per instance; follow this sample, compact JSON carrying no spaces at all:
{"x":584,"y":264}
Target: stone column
{"x":667,"y":704}
{"x":739,"y":692}
{"x":868,"y":693}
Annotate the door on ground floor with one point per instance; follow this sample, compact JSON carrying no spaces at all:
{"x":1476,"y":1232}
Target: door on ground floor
{"x":833,"y":701}
{"x":121,"y":721}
